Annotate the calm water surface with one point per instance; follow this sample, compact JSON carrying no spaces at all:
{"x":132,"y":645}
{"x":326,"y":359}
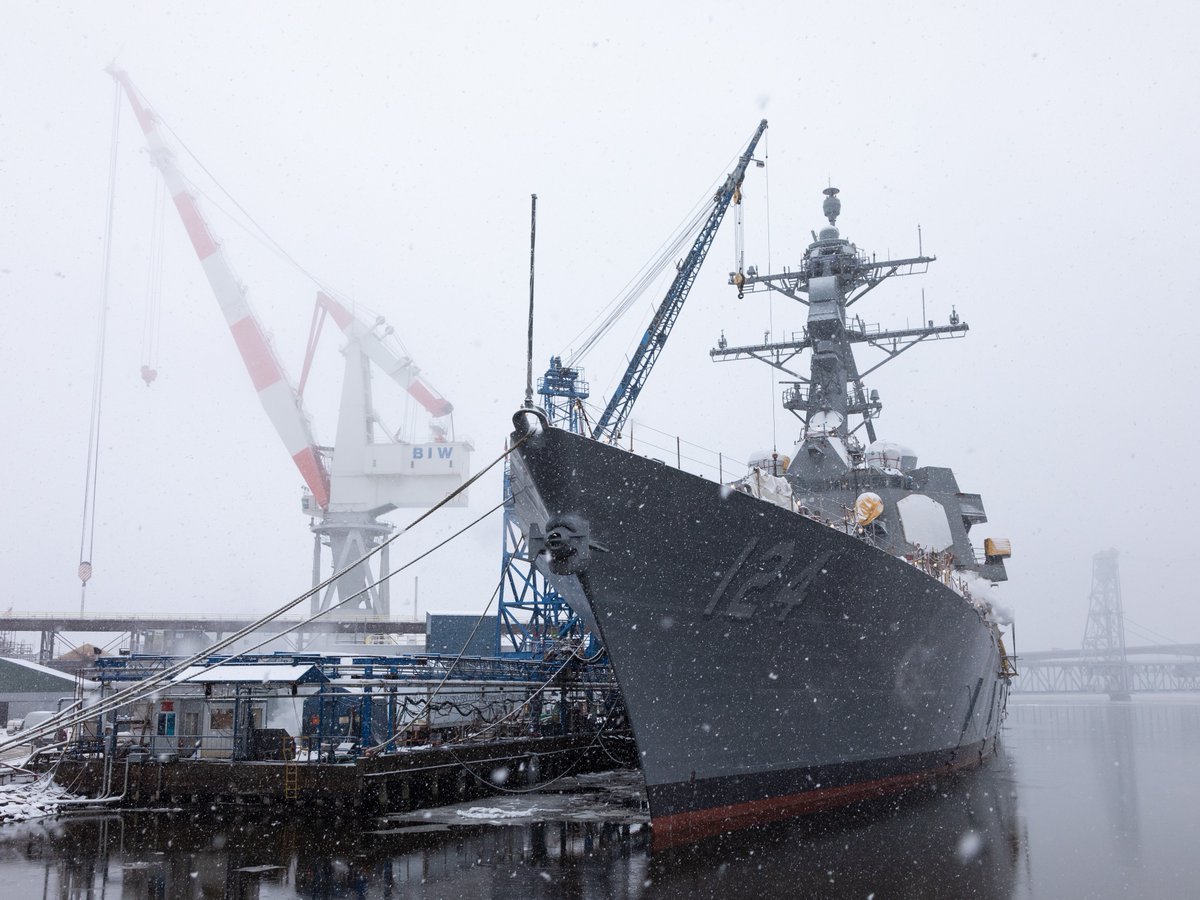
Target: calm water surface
{"x":1088,"y":798}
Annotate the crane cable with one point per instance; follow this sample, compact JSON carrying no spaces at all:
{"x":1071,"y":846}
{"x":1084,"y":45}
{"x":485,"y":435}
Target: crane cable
{"x":364,"y":591}
{"x":148,"y":686}
{"x":87,"y":534}
{"x":407,"y":726}
{"x":251,"y":226}
{"x":641,"y":281}
{"x":770,"y":294}
{"x":645,"y":276}
{"x":258,"y":232}
{"x":152,"y":317}
{"x":265,"y":235}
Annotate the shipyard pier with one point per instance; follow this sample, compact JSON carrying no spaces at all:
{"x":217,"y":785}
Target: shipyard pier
{"x":376,"y":733}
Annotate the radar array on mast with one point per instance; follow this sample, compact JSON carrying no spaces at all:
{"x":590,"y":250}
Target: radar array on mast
{"x":832,"y":277}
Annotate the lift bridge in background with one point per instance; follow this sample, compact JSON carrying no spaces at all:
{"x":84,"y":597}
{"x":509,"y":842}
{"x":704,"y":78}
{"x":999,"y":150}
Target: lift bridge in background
{"x":1105,"y":664}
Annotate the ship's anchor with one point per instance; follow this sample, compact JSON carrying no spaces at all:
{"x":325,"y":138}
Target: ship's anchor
{"x":566,"y":541}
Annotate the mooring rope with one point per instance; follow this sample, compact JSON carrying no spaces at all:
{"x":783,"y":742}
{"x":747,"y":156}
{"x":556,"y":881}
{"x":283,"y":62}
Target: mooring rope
{"x":378,"y":748}
{"x":412,"y":562}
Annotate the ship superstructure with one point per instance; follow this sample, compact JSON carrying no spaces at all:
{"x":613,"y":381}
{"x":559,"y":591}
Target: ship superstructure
{"x":833,"y":474}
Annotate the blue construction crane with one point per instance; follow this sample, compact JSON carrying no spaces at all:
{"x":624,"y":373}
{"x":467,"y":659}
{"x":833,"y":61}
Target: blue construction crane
{"x":613,"y":419}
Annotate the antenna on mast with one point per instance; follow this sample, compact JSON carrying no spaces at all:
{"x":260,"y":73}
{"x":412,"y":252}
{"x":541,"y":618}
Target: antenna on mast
{"x":529,"y":350}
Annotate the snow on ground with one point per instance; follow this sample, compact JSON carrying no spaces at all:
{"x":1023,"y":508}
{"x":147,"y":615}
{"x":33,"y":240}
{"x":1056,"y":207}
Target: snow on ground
{"x":617,"y":798}
{"x":492,"y":813}
{"x":31,"y":800}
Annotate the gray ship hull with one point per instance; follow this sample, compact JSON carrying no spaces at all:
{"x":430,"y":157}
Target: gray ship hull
{"x":770,"y":664}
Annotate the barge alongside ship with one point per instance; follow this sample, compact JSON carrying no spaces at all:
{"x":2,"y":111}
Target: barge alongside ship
{"x":815,"y":634}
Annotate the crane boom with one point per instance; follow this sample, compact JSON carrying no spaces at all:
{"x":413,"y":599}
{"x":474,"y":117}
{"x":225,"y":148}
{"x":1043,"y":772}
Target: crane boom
{"x":399,"y":368}
{"x":613,"y":419}
{"x":279,"y":399}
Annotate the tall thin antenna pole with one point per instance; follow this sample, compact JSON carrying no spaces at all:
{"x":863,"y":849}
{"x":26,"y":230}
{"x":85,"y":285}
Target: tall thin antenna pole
{"x":529,"y":351}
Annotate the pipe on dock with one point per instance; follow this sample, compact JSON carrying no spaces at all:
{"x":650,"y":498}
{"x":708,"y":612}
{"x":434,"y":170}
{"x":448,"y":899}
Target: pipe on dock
{"x":101,"y":801}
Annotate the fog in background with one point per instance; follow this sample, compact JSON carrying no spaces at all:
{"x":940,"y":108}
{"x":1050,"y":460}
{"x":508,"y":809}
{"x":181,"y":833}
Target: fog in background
{"x":1047,"y":151}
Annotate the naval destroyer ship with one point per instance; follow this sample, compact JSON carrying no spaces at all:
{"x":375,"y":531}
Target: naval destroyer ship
{"x":811,"y":635}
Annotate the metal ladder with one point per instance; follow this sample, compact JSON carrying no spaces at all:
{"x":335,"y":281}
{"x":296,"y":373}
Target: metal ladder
{"x":291,"y":773}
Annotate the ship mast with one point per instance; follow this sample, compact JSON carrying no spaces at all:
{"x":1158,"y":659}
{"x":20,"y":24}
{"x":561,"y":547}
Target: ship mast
{"x":832,"y":277}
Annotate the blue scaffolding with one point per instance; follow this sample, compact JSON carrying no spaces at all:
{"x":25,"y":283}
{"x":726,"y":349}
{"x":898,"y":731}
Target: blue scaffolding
{"x":357,"y":702}
{"x":532,"y":616}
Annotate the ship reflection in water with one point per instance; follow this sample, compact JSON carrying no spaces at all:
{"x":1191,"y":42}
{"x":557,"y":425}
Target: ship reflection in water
{"x":1086,"y":799}
{"x":958,"y":840}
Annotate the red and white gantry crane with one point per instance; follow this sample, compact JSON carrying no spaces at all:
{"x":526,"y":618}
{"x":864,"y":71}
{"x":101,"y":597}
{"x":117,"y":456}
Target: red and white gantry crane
{"x":368,"y":472}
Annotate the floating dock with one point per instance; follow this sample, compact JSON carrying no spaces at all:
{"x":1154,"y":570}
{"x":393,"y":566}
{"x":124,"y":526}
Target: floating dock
{"x":380,"y":734}
{"x":398,"y":782}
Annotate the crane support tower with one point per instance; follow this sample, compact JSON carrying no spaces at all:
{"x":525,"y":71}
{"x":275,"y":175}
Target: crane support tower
{"x":366,"y":474}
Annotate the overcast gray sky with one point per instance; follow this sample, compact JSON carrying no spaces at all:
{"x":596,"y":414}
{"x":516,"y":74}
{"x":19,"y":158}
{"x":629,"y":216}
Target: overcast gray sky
{"x":1047,"y":150}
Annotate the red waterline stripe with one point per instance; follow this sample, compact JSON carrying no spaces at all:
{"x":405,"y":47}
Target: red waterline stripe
{"x":687,"y":827}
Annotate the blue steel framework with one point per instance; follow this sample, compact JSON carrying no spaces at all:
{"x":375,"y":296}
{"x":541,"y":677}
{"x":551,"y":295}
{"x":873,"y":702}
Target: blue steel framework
{"x":532,"y":615}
